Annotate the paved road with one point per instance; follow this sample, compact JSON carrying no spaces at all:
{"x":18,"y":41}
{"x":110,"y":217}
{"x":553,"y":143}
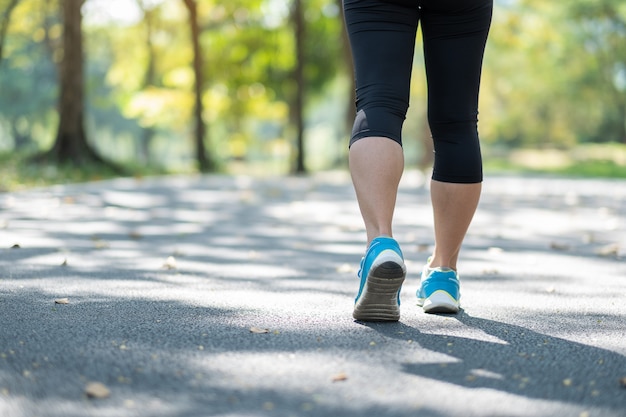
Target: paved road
{"x":219,"y":296}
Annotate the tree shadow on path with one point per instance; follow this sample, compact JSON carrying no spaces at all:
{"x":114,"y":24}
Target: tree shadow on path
{"x":519,"y":361}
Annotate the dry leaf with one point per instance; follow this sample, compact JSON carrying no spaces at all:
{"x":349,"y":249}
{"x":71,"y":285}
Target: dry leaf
{"x":62,"y":301}
{"x":609,"y":250}
{"x":423,"y":247}
{"x":340,"y":377}
{"x":97,"y":390}
{"x":258,"y":330}
{"x":99,"y":243}
{"x":170,"y":263}
{"x":559,"y":246}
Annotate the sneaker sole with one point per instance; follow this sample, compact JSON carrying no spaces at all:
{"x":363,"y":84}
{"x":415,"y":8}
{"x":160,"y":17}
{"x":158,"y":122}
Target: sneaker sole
{"x":440,"y":302}
{"x":379,"y":300}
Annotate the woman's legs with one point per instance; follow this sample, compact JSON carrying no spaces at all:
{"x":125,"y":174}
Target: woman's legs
{"x":382,"y":36}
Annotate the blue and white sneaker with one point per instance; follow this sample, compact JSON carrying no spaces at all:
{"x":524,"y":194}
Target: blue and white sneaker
{"x":439,"y":290}
{"x":382,"y":274}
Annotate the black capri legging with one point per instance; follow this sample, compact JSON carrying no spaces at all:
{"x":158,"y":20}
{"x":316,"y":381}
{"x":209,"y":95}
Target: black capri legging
{"x":382,"y":35}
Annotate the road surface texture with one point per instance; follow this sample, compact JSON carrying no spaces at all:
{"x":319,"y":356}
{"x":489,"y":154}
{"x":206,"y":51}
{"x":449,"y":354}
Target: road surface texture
{"x":232,"y":296}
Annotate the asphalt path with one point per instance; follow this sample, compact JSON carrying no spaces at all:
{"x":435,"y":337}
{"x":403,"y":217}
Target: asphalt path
{"x":232,"y":296}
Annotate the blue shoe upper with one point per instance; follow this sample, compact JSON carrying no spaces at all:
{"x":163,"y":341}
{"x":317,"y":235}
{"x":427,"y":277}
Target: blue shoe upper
{"x":440,"y":279}
{"x":377,"y":246}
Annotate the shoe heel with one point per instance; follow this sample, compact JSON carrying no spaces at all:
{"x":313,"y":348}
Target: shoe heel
{"x":379,"y":301}
{"x":440,"y":302}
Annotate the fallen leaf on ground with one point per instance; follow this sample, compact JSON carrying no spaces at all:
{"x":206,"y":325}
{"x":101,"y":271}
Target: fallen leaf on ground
{"x":423,"y":247}
{"x":559,"y":246}
{"x":100,"y":243}
{"x":609,"y":250}
{"x":62,"y":301}
{"x":258,"y":330}
{"x":97,"y":390}
{"x":170,"y":263}
{"x":340,"y":377}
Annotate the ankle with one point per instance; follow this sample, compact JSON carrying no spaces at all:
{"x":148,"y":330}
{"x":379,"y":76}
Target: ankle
{"x":438,"y":263}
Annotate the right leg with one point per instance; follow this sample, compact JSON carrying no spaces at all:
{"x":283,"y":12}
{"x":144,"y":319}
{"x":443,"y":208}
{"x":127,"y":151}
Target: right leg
{"x":455,"y":32}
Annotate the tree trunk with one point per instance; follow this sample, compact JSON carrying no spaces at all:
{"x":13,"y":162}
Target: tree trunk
{"x":145,"y":141}
{"x":298,"y":108}
{"x":351,"y":103}
{"x":4,"y":23}
{"x":204,"y":162}
{"x":71,"y":141}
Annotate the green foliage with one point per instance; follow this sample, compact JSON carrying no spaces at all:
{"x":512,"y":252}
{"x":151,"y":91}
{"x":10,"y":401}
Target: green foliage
{"x":588,"y":160}
{"x":555,"y":73}
{"x":554,"y":77}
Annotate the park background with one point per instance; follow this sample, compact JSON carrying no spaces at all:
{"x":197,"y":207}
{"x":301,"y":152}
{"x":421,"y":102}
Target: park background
{"x":91,"y":89}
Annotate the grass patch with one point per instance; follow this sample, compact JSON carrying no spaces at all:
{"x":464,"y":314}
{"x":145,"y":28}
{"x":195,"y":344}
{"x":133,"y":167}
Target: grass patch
{"x":589,"y":160}
{"x":17,"y":172}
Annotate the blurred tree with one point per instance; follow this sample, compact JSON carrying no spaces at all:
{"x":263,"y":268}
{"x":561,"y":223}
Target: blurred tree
{"x":598,"y":28}
{"x":299,"y":28}
{"x":149,"y":13}
{"x":28,"y":77}
{"x":71,"y":145}
{"x":204,"y":161}
{"x":555,"y":73}
{"x":5,"y":19}
{"x":347,"y":60}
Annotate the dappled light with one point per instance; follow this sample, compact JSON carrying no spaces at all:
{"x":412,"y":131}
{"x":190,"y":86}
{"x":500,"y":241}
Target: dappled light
{"x":234,"y":294}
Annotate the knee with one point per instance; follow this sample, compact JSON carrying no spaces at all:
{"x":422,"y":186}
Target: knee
{"x":379,"y":116}
{"x":457,"y":152}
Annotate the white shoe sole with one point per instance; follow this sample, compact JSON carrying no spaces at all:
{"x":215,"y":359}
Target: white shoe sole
{"x":379,"y":298}
{"x":439,"y":302}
